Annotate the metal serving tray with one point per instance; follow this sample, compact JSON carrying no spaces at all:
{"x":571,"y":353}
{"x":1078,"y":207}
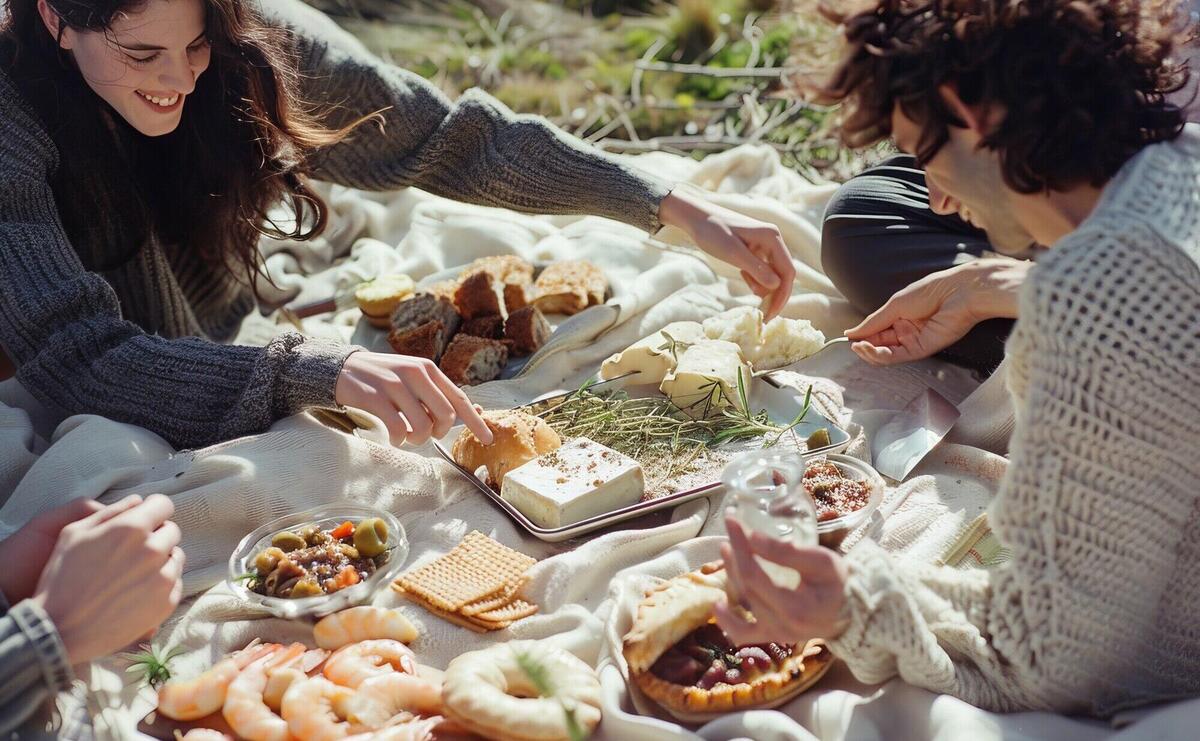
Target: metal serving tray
{"x":781,"y":402}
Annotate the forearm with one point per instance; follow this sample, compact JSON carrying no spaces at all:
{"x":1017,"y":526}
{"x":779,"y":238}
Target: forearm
{"x":473,"y":150}
{"x":35,"y":664}
{"x":929,"y":626}
{"x":994,"y":285}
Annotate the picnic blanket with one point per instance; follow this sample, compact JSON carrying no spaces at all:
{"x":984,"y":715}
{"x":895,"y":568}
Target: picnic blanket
{"x":586,"y":588}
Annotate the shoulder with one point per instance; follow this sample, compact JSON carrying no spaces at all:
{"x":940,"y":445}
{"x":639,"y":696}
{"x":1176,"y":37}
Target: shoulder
{"x":1114,"y":287}
{"x":316,"y":32}
{"x":25,"y":148}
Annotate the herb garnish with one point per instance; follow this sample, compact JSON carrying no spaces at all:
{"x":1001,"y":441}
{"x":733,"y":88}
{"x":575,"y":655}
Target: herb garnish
{"x":154,"y":668}
{"x":539,"y":677}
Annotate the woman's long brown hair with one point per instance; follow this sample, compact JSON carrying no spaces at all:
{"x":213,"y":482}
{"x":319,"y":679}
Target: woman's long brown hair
{"x":209,"y":186}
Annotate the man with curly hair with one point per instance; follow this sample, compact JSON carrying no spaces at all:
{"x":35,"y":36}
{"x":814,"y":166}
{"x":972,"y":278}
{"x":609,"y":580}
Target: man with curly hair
{"x":1036,"y":122}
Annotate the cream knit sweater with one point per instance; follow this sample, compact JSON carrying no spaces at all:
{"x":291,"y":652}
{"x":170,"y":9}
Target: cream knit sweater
{"x":1098,"y":608}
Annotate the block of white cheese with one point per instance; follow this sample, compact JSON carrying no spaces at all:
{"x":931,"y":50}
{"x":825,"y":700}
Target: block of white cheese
{"x":655,"y":356}
{"x":706,"y":377}
{"x":579,"y":480}
{"x":784,"y":341}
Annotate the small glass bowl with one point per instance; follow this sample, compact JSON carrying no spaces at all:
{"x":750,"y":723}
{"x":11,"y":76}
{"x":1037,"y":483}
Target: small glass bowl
{"x":326,"y":517}
{"x":831,"y":533}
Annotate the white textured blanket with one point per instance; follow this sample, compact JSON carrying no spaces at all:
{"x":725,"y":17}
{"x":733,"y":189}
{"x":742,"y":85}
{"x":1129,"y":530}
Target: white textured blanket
{"x":586,"y":589}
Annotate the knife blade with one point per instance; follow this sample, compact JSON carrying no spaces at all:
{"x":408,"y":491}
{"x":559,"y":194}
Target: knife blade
{"x":339,"y":302}
{"x":907,"y":437}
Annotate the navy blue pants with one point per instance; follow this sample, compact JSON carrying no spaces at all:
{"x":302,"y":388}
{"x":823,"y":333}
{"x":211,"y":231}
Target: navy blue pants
{"x":879,"y":236}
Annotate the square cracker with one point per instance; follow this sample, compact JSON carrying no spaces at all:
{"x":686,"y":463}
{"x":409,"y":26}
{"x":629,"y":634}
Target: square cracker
{"x":477,"y":568}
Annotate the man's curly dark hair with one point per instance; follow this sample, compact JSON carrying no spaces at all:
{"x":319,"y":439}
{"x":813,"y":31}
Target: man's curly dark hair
{"x":1084,"y":83}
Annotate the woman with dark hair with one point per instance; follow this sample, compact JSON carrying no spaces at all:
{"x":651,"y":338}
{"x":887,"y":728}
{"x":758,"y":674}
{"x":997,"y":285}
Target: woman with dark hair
{"x":143,"y":144}
{"x":1044,"y":122}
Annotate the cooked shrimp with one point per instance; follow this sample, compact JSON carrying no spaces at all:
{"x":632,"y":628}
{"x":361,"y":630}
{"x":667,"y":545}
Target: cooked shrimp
{"x":315,"y":710}
{"x":192,"y":699}
{"x":245,"y":708}
{"x":363,"y":624}
{"x":410,"y":729}
{"x":350,"y":665}
{"x":381,"y":698}
{"x":281,"y":674}
{"x":278,"y":682}
{"x":202,"y":734}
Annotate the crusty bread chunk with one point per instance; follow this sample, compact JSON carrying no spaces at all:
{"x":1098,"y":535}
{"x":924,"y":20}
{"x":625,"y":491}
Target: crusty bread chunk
{"x":473,"y":360}
{"x":569,"y":287}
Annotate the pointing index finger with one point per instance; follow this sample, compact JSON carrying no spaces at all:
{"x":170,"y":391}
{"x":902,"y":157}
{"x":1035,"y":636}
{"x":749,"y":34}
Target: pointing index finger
{"x":465,"y":410}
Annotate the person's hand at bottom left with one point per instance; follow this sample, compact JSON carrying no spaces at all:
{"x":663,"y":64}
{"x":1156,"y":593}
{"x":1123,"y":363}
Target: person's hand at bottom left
{"x":113,"y":576}
{"x":25,"y":552}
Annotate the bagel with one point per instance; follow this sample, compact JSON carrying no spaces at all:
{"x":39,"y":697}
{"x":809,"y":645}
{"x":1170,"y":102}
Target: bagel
{"x":489,"y":692}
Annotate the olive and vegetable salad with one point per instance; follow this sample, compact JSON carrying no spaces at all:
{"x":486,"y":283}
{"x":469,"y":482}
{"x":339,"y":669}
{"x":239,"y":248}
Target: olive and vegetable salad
{"x":310,"y":561}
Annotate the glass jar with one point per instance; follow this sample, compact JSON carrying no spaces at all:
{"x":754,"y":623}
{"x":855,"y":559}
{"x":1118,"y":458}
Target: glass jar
{"x":766,"y":488}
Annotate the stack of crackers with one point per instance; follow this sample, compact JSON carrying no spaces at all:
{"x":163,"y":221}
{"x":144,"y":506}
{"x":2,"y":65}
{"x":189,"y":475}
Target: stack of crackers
{"x":474,"y":586}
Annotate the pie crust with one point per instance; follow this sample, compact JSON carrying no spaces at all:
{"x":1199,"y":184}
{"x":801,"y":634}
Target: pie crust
{"x":675,"y":608}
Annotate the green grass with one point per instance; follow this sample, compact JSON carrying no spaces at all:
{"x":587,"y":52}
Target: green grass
{"x":576,"y":62}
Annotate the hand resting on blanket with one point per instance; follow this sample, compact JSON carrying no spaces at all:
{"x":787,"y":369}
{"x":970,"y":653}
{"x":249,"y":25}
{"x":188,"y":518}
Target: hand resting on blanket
{"x":113,"y":575}
{"x":410,"y":395}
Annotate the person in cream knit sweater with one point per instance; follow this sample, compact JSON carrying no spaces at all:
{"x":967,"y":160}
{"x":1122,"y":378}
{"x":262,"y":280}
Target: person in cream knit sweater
{"x":1050,"y":118}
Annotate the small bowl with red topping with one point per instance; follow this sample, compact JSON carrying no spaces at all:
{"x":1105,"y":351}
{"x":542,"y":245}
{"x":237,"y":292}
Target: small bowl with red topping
{"x":845,"y":492}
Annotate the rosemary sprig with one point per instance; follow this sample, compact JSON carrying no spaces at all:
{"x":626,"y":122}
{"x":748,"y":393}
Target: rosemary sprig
{"x":154,"y":668}
{"x":674,"y":346}
{"x":668,"y":440}
{"x":539,"y":677}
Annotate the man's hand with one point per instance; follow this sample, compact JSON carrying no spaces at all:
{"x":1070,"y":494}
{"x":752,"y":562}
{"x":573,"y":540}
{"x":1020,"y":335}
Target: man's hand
{"x":938,"y":310}
{"x":754,"y":247}
{"x":813,"y":610}
{"x":25,"y":552}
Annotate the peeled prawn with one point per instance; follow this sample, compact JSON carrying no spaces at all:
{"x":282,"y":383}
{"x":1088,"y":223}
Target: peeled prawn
{"x":278,"y":682}
{"x":315,"y":710}
{"x":362,"y":624}
{"x":412,"y":729}
{"x":382,"y":698}
{"x":204,"y":694}
{"x":202,"y":734}
{"x":281,"y":674}
{"x":245,"y":708}
{"x":351,"y":665}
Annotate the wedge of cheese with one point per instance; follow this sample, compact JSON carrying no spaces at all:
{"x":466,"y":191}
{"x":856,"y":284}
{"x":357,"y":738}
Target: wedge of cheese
{"x":655,"y":356}
{"x":706,"y":377}
{"x":579,"y":480}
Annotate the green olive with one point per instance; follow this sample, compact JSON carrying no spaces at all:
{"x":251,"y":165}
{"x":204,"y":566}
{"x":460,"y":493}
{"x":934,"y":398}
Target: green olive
{"x":265,"y":562}
{"x":312,"y":535}
{"x":818,"y":439}
{"x":307,"y":587}
{"x":288,"y":541}
{"x":370,"y":537}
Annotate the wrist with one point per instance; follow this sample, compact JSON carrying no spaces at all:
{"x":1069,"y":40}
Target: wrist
{"x":677,"y":209}
{"x":993,"y":285}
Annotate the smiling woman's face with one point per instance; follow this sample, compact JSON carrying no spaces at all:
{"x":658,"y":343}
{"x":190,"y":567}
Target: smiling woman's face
{"x":146,"y":63}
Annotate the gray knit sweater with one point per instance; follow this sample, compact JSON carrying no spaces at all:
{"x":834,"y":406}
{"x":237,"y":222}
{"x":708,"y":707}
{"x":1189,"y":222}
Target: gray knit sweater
{"x":137,"y":343}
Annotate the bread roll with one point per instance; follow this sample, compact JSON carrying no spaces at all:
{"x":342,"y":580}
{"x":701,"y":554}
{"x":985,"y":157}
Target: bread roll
{"x":519,"y":438}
